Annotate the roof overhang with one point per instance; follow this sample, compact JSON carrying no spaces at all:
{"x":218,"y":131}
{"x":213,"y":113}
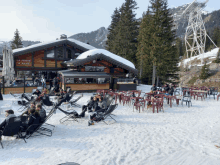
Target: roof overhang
{"x":78,"y":62}
{"x":75,"y":74}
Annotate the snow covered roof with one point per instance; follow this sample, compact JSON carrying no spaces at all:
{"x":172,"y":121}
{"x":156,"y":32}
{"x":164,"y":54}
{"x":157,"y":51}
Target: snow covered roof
{"x":45,"y":45}
{"x":101,"y":54}
{"x":107,"y":53}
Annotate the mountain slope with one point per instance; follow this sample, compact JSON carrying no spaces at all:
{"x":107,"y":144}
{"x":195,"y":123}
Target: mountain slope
{"x":95,"y":38}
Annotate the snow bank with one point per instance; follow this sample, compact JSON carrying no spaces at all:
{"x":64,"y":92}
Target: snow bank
{"x":107,"y":53}
{"x":211,"y":54}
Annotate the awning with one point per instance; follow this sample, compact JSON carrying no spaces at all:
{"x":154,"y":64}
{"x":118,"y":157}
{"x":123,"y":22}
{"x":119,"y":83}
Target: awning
{"x":75,"y":74}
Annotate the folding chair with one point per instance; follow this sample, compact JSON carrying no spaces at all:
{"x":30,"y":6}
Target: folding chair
{"x":107,"y":114}
{"x":70,"y":116}
{"x":73,"y":103}
{"x":12,"y":128}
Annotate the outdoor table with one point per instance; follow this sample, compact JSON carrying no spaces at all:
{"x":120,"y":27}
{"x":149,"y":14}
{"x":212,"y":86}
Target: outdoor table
{"x":201,"y":91}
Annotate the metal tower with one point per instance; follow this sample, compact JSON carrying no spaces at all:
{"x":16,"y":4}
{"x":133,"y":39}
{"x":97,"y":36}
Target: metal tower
{"x":195,"y":36}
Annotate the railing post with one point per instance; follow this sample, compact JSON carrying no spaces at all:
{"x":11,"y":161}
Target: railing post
{"x":24,"y":83}
{"x":3,"y":82}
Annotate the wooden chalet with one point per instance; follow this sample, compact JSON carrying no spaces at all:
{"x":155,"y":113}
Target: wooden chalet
{"x":97,"y":69}
{"x":47,"y":58}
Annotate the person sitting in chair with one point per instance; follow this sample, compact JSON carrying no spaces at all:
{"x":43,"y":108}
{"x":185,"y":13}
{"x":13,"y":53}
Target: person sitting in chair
{"x":65,"y":98}
{"x":41,"y":112}
{"x":37,"y":92}
{"x":8,"y":114}
{"x":166,"y":88}
{"x":34,"y":118}
{"x":100,"y":106}
{"x":89,"y":105}
{"x":27,"y":112}
{"x":154,"y":88}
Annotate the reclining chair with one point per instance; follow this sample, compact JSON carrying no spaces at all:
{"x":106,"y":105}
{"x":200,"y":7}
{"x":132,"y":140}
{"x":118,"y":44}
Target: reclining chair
{"x":13,"y":127}
{"x":97,"y":117}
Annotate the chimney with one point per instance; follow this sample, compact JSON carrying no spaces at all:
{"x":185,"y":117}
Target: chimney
{"x":63,"y":36}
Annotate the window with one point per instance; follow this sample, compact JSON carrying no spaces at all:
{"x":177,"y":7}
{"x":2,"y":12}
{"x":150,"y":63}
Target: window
{"x":50,"y":53}
{"x":68,"y":51}
{"x":60,"y":52}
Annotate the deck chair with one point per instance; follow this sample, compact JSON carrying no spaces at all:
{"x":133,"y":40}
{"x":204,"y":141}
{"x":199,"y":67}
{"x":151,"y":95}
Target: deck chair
{"x":13,"y":127}
{"x":40,"y":129}
{"x":103,"y":116}
{"x":71,"y":116}
{"x":73,"y":103}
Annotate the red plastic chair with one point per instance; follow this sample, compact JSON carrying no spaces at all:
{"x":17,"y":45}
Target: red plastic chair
{"x":200,"y":94}
{"x":218,"y":96}
{"x":126,"y":100}
{"x":138,"y":105}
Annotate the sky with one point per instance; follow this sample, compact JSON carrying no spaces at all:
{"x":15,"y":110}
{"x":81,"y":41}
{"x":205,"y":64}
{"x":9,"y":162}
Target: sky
{"x":46,"y":20}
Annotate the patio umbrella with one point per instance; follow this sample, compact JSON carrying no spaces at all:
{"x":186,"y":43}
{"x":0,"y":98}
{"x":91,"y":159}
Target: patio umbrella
{"x":11,"y":65}
{"x":8,"y":65}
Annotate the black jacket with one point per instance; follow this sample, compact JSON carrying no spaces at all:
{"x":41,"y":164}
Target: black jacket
{"x":166,"y":88}
{"x":171,"y":90}
{"x":37,"y":93}
{"x":153,"y":88}
{"x":3,"y":124}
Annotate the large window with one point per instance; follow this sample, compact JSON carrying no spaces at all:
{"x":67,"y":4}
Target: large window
{"x":50,"y":53}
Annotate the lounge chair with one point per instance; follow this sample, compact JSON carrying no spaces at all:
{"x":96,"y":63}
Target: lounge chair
{"x":12,"y":128}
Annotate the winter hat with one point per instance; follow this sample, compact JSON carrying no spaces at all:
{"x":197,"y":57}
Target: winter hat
{"x":10,"y":111}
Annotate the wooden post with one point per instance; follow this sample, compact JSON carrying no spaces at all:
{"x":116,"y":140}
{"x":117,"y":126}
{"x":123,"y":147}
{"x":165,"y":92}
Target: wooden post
{"x":3,"y":82}
{"x":24,"y":83}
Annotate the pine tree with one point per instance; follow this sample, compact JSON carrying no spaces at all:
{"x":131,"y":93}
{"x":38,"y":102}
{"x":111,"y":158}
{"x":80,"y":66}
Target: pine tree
{"x":204,"y":72}
{"x":16,"y":42}
{"x":216,"y":36}
{"x":111,"y":30}
{"x":144,"y":60}
{"x":159,"y":48}
{"x":127,"y":32}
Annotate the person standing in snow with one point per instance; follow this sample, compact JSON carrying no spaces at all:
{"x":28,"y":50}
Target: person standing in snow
{"x":43,"y":81}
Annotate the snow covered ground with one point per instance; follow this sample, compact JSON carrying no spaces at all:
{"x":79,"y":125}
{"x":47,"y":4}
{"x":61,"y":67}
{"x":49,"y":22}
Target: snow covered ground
{"x":180,"y":135}
{"x":211,"y":54}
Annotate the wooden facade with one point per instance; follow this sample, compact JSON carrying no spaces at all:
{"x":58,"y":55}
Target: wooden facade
{"x":38,"y":60}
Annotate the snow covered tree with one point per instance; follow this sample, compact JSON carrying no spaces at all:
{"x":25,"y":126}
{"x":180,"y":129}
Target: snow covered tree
{"x":16,"y":42}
